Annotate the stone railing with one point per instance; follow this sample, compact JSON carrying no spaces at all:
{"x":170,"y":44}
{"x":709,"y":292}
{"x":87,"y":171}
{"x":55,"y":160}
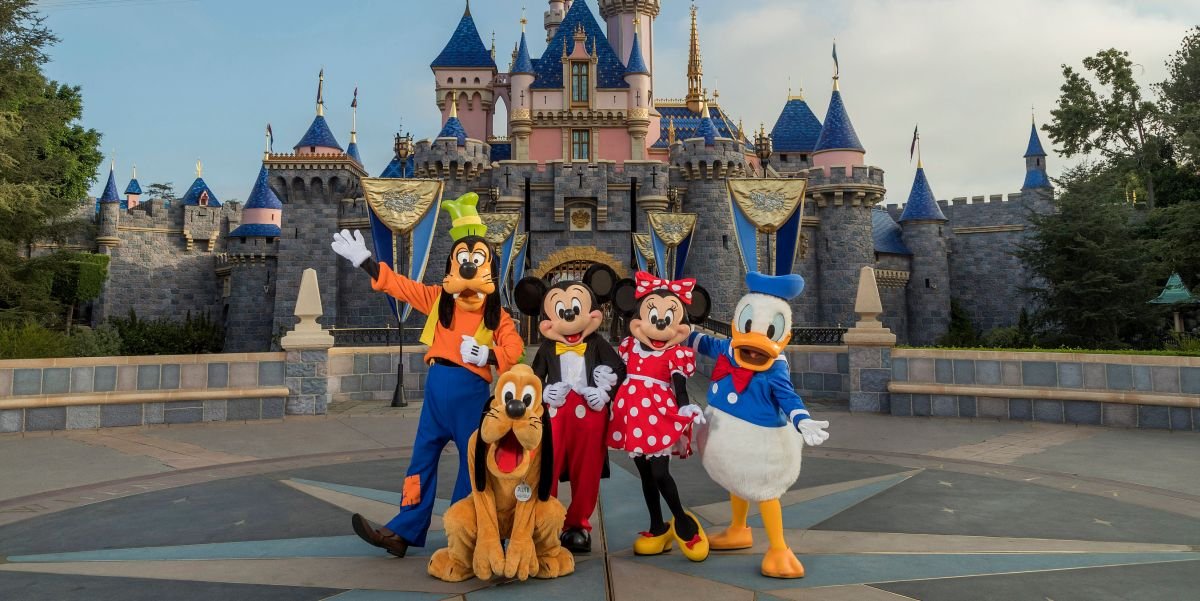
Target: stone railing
{"x":369,"y":373}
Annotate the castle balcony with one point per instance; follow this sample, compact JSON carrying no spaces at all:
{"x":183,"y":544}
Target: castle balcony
{"x":314,"y":161}
{"x":579,"y":118}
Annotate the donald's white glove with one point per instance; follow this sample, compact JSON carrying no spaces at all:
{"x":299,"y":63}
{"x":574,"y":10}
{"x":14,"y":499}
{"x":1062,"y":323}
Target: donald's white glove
{"x":604,"y":377}
{"x":596,"y":398}
{"x":694,"y":412}
{"x":555,"y":395}
{"x":352,"y":247}
{"x":813,"y":431}
{"x":472,"y":352}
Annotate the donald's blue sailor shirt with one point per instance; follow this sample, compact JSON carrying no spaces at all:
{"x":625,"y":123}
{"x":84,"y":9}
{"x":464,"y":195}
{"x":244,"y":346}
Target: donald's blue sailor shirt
{"x":768,"y":400}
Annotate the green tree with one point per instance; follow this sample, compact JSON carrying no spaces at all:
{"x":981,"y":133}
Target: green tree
{"x":47,"y":162}
{"x":165,"y":191}
{"x":1117,"y":122}
{"x":1180,"y":99}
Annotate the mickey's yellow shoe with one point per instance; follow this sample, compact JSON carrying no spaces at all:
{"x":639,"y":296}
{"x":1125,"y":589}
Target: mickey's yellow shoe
{"x":697,"y":548}
{"x":648,"y":544}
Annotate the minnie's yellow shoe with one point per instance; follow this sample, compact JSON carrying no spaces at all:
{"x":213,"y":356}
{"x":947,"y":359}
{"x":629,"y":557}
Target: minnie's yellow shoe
{"x":648,"y":544}
{"x":781,"y":563}
{"x":697,"y":548}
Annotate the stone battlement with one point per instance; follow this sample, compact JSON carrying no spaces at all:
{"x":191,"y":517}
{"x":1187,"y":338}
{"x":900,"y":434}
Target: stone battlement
{"x":444,"y":158}
{"x":859,"y":174}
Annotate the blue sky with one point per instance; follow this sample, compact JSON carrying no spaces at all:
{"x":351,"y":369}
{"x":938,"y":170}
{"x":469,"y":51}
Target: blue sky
{"x":170,"y":81}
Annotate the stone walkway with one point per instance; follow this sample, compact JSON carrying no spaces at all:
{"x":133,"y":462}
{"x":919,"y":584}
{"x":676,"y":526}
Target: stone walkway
{"x":889,"y":509}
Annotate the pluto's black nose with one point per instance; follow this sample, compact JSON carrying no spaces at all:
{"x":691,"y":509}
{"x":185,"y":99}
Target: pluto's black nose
{"x":514,"y":408}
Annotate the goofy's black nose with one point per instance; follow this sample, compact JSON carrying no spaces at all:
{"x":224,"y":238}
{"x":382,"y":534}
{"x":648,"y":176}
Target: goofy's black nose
{"x":467,"y":270}
{"x":514,"y":408}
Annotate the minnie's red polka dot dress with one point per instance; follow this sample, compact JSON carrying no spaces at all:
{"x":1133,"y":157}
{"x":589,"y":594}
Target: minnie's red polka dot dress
{"x":646,"y":420}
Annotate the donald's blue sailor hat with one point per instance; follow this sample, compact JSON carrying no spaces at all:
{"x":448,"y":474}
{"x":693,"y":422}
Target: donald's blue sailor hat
{"x":786,"y":287}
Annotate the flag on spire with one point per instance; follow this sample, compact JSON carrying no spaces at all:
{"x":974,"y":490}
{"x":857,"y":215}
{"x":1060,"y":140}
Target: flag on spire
{"x":913,"y":147}
{"x":835,"y":60}
{"x":321,"y":86}
{"x":354,"y":103}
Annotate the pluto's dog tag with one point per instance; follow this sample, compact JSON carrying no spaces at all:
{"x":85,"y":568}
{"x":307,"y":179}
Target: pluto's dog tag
{"x":523,"y":492}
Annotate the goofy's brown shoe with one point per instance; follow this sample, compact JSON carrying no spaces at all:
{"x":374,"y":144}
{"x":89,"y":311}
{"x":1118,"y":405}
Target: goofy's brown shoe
{"x":383,"y":538}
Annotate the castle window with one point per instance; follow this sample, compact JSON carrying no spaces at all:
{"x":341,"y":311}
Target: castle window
{"x":803,"y":158}
{"x":579,"y":83}
{"x":204,"y":198}
{"x":476,"y":80}
{"x":783,"y":158}
{"x":581,"y":142}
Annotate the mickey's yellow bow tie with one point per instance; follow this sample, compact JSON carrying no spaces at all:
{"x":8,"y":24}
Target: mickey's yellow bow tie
{"x":560,"y":348}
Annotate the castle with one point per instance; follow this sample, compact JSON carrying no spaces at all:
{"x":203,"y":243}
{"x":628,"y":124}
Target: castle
{"x":589,"y":150}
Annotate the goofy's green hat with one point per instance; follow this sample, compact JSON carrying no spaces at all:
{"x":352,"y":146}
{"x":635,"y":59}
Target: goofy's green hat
{"x":464,"y":218}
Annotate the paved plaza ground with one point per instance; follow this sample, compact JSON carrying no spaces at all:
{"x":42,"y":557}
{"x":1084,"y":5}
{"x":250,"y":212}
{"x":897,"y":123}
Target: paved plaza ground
{"x":889,"y":509}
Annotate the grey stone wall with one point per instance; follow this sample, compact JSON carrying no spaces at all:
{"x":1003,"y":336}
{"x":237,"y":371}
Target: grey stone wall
{"x":894,"y":298}
{"x":250,"y":307}
{"x":844,"y":247}
{"x":370,"y":374}
{"x":929,"y":283}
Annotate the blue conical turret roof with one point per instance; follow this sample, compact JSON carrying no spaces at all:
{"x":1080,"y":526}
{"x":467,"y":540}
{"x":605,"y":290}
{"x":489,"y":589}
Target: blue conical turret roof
{"x":838,"y":132}
{"x":318,"y":134}
{"x":134,"y":187}
{"x":352,"y":152}
{"x":262,"y":196}
{"x":395,"y":169}
{"x":707,"y":129}
{"x":886,"y":233}
{"x":636,"y":63}
{"x":465,"y":48}
{"x":523,"y":64}
{"x":110,"y":189}
{"x":454,"y":129}
{"x":610,"y":71}
{"x":922,"y":206}
{"x":797,"y":128}
{"x":198,"y":188}
{"x":1035,"y":143}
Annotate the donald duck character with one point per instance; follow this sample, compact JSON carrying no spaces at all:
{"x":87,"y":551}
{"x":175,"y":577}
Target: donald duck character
{"x":757,"y":424}
{"x":467,"y":333}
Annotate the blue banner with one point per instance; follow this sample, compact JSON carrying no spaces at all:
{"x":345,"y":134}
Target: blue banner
{"x":681,"y":254}
{"x":420,"y":242}
{"x":747,"y":237}
{"x":660,"y":255}
{"x":383,"y":241}
{"x":787,"y":242}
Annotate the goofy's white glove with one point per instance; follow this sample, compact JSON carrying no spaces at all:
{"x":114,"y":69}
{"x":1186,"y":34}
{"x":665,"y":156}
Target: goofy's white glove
{"x":694,"y":412}
{"x":472,"y":352}
{"x":595,"y":398}
{"x":604,"y":377}
{"x":555,"y":395}
{"x":352,"y":247}
{"x":813,"y":431}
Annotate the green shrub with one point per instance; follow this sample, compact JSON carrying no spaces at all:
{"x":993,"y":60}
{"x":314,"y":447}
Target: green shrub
{"x":167,"y":337}
{"x":32,"y":341}
{"x":103,"y":341}
{"x":962,"y":332}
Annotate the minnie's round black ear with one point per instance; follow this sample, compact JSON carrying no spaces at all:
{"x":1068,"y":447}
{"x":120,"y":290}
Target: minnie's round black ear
{"x":623,"y":298}
{"x":601,"y":279}
{"x":529,"y":293}
{"x":701,"y":305}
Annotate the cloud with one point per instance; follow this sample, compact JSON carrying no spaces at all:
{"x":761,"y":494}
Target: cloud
{"x":968,"y":72}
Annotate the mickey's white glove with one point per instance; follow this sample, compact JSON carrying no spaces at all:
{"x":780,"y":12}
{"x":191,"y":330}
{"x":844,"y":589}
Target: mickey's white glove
{"x":604,"y":377}
{"x":813,"y":431}
{"x":555,"y":395}
{"x":352,"y":247}
{"x":472,"y":352}
{"x":596,"y":398}
{"x":694,"y":412}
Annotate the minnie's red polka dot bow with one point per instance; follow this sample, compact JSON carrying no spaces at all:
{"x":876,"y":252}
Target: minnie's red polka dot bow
{"x":647,"y":283}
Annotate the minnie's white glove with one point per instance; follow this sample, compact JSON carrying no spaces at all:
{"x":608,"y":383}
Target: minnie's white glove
{"x":604,"y":377}
{"x":555,"y":395}
{"x":813,"y":431}
{"x":595,"y":398}
{"x":694,"y":412}
{"x":352,"y":247}
{"x":472,"y":352}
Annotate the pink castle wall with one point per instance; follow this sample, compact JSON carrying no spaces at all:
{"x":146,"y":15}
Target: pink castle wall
{"x":266,"y":216}
{"x":835,"y":158}
{"x":318,"y":150}
{"x":615,"y":145}
{"x":545,"y":145}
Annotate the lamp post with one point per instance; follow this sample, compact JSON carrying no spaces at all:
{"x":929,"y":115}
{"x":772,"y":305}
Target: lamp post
{"x":403,"y":147}
{"x":673,"y":199}
{"x":762,"y":148}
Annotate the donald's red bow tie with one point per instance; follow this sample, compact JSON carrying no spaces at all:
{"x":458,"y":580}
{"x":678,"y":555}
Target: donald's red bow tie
{"x":647,"y":283}
{"x":741,"y":375}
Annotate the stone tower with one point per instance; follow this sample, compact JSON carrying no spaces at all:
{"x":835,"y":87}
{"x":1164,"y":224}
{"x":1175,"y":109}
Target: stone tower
{"x":627,"y":19}
{"x":1037,"y":188}
{"x":250,"y":268}
{"x":924,"y":227}
{"x":842,"y":190}
{"x":520,"y":115}
{"x":108,"y":218}
{"x":463,"y":74}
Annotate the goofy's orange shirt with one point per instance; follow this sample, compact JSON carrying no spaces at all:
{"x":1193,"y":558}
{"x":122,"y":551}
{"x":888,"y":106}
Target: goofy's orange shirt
{"x":507,"y":344}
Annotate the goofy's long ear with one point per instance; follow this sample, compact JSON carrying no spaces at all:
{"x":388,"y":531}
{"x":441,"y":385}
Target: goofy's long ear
{"x":480,"y":459}
{"x":446,"y":310}
{"x":491,"y":305}
{"x":529,"y":293}
{"x":701,"y":305}
{"x":602,"y":280}
{"x":547,"y":477}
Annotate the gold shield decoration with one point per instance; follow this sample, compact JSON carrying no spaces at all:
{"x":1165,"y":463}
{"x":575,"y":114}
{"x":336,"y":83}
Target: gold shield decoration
{"x":672,"y":228}
{"x":500,"y":226}
{"x":768,"y":202}
{"x":401,"y":203}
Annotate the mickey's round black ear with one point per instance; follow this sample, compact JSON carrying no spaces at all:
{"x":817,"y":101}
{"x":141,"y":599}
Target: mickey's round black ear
{"x":623,"y":299}
{"x":701,"y":305}
{"x":529,"y":293}
{"x":601,"y":279}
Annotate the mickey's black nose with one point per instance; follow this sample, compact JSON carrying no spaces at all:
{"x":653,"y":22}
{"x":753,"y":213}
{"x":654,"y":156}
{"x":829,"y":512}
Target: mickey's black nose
{"x":467,"y":270}
{"x":514,"y":408}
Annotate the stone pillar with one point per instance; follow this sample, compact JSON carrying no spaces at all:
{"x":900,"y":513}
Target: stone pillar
{"x":307,"y":347}
{"x":870,"y":349}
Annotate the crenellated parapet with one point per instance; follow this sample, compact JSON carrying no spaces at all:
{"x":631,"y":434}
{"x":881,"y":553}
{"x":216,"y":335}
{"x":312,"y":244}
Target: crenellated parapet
{"x":863,"y":186}
{"x":692,"y":159}
{"x":443,"y":158}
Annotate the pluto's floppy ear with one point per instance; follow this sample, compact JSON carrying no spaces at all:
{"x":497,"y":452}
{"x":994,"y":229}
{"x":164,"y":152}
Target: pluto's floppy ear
{"x":480,"y":459}
{"x":701,"y":305}
{"x":623,"y":299}
{"x":529,"y":293}
{"x":547,"y":477}
{"x":601,"y":279}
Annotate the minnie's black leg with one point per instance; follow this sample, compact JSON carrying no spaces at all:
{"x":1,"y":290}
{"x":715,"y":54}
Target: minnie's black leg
{"x":660,"y":468}
{"x":651,"y":493}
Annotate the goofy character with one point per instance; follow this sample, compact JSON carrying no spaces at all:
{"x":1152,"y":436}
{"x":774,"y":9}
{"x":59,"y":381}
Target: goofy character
{"x":578,"y":368}
{"x":751,"y":447}
{"x":467,"y":333}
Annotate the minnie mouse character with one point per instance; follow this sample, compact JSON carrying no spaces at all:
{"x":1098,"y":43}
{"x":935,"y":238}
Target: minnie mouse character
{"x":578,"y":368}
{"x":652,"y":416}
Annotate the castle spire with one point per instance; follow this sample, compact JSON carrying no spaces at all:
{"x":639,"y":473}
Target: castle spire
{"x":695,"y":73}
{"x":352,"y":147}
{"x":321,"y":93}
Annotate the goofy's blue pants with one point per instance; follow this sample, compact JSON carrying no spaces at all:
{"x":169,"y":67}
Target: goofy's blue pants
{"x":454,"y":402}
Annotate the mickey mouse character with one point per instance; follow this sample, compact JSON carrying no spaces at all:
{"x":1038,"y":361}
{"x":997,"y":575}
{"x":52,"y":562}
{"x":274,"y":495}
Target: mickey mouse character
{"x":652,"y":416}
{"x":578,"y":368}
{"x":467,"y":333}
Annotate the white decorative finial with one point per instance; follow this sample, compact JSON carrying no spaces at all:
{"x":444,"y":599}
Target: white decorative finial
{"x":199,"y":168}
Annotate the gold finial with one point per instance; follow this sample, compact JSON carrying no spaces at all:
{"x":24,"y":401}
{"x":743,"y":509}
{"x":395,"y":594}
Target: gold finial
{"x":493,"y":45}
{"x":199,"y":169}
{"x":453,"y":104}
{"x":135,"y":171}
{"x":580,"y":33}
{"x":637,"y":20}
{"x":670,"y":130}
{"x":267,"y":142}
{"x":523,"y":19}
{"x":740,"y":132}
